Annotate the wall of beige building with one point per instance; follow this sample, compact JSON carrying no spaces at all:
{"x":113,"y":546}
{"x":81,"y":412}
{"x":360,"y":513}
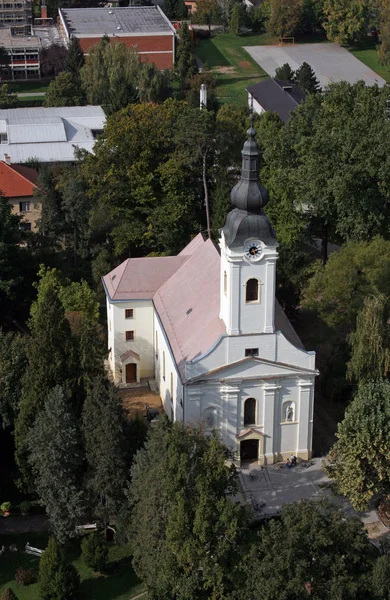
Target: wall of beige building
{"x":31,"y":215}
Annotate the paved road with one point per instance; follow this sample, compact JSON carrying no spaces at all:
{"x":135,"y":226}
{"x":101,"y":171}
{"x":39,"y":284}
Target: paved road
{"x":330,"y":62}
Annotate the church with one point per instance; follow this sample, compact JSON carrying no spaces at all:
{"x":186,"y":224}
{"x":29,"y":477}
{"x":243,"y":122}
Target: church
{"x":206,"y":326}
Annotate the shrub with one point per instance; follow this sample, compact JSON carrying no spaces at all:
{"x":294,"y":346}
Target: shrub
{"x":25,"y":576}
{"x":58,"y":579}
{"x":25,"y":507}
{"x":94,"y":551}
{"x":8,"y":594}
{"x":5,"y":507}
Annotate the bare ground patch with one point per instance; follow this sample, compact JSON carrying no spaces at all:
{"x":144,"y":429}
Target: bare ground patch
{"x":245,"y":64}
{"x":135,"y":399}
{"x":229,"y":70}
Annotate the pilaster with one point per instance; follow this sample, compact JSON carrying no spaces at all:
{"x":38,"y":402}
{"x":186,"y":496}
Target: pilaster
{"x":269,"y":292}
{"x":305,"y":416}
{"x":233,"y":327}
{"x":271,"y":395}
{"x":230,"y":413}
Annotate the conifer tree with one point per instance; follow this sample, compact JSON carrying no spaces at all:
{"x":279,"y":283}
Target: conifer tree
{"x":285,"y":73}
{"x":12,"y":366}
{"x":51,"y":361}
{"x":56,"y":458}
{"x":175,"y":9}
{"x":234,"y":21}
{"x":75,"y":58}
{"x":306,"y":80}
{"x":103,"y":426}
{"x":95,"y":551}
{"x":191,"y":549}
{"x":58,"y":579}
{"x":186,"y":62}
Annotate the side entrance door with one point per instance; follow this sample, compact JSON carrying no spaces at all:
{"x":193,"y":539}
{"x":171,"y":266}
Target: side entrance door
{"x":131,"y":373}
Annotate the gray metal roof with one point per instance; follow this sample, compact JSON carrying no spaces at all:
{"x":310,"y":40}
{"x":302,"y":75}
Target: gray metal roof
{"x":279,"y":96}
{"x":49,"y":134}
{"x":130,"y":20}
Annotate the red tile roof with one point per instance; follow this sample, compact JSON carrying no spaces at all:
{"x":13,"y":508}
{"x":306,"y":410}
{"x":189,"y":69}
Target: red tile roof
{"x":17,"y":181}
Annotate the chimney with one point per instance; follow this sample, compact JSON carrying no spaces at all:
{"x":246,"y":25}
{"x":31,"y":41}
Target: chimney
{"x":203,"y":96}
{"x":7,"y":159}
{"x":43,"y":11}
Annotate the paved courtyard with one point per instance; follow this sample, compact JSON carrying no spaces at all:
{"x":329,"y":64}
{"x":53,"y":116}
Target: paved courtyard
{"x":269,"y":488}
{"x":330,"y":62}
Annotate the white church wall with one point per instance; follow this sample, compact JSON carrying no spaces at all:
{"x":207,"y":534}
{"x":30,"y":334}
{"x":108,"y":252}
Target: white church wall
{"x":142,"y":325}
{"x":250,"y":390}
{"x":166,"y":374}
{"x":110,"y":336}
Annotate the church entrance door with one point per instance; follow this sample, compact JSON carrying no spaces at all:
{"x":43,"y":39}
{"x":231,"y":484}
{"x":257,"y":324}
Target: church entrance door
{"x":249,"y":450}
{"x":131,"y":373}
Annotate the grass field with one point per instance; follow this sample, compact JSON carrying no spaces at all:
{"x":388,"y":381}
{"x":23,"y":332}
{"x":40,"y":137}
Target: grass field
{"x":24,"y":87}
{"x":367,"y":54}
{"x":121,"y":583}
{"x":235,"y":69}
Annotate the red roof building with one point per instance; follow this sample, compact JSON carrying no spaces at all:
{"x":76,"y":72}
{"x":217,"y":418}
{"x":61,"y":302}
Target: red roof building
{"x":17,"y":183}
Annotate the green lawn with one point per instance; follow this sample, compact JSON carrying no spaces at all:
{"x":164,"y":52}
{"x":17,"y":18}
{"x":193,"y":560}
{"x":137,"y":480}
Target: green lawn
{"x":121,"y":583}
{"x":367,"y":54}
{"x":24,"y":87}
{"x":235,"y":69}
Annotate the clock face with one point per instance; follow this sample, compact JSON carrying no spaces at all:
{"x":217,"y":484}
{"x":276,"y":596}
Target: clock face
{"x":253,"y":250}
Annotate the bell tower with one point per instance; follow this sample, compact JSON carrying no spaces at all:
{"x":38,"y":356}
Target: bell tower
{"x":248,"y":253}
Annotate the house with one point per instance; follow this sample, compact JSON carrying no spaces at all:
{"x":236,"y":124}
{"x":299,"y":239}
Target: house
{"x":49,"y":134}
{"x":275,"y":95}
{"x":23,"y":52}
{"x":17,"y":183}
{"x":206,"y":326}
{"x":144,"y":28}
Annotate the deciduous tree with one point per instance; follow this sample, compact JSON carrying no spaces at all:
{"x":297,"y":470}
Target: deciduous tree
{"x":53,"y":60}
{"x":56,"y":458}
{"x":337,"y":291}
{"x":109,"y":76}
{"x":311,"y":551}
{"x":370,"y":342}
{"x":285,"y":17}
{"x":64,"y":90}
{"x":359,"y":460}
{"x":346,"y":21}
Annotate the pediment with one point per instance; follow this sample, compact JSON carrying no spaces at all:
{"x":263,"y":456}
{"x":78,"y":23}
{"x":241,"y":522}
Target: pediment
{"x":254,"y":368}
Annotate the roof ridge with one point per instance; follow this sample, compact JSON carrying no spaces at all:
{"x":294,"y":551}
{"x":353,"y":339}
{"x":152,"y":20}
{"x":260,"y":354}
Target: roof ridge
{"x":123,"y":272}
{"x":20,"y":174}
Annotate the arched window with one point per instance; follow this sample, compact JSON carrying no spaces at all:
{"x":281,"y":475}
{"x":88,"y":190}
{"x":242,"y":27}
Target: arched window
{"x":288,"y":412}
{"x":225,"y":283}
{"x":250,"y":411}
{"x":252,"y":290}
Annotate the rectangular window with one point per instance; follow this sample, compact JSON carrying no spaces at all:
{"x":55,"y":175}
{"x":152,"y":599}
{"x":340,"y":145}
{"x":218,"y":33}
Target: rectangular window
{"x":24,"y":206}
{"x":25,"y":226}
{"x":251,"y":352}
{"x":129,"y":313}
{"x":129,"y":336}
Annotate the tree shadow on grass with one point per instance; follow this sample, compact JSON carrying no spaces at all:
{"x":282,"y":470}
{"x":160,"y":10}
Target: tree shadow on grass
{"x":120,"y":580}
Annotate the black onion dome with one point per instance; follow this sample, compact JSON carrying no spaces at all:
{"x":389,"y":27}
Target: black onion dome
{"x":247,"y":219}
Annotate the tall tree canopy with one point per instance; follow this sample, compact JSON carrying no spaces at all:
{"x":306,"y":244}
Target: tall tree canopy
{"x":190,"y":551}
{"x":285,"y":18}
{"x":337,"y":291}
{"x":58,"y":578}
{"x":347,"y":21}
{"x":139,"y":183}
{"x":75,"y":58}
{"x":327,"y":170}
{"x":56,"y":457}
{"x":360,"y":459}
{"x":12,"y":367}
{"x":312,"y":551}
{"x":51,"y":362}
{"x":64,"y":90}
